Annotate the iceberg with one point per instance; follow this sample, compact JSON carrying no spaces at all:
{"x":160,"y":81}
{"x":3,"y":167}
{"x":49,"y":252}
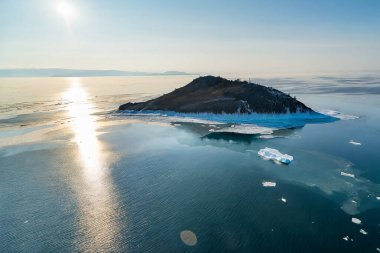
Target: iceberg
{"x":275,"y":155}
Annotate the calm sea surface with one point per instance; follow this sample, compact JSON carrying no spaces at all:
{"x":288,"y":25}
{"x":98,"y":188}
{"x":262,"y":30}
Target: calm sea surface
{"x":75,"y":176}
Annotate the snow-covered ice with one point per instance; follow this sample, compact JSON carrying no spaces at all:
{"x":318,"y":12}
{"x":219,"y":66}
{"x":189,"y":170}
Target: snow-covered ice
{"x":269,"y":184}
{"x":247,"y":129}
{"x":338,"y":115}
{"x":356,"y":221}
{"x":275,"y":155}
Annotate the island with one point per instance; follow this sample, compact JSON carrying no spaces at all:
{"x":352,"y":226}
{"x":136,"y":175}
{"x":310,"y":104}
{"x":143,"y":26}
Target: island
{"x":217,"y":95}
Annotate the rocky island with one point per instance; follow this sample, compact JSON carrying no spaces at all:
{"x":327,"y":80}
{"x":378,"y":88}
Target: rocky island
{"x":217,"y":95}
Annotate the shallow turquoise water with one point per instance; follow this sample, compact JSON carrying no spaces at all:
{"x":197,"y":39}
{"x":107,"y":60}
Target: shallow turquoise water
{"x":76,"y":177}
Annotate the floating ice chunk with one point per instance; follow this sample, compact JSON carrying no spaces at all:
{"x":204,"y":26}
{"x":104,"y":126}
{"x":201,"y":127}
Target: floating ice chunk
{"x":378,"y":198}
{"x":275,"y":155}
{"x":267,"y":136}
{"x":356,"y":221}
{"x":347,"y":174}
{"x":338,"y":115}
{"x":211,"y":130}
{"x":188,"y":237}
{"x":378,"y":249}
{"x":269,"y":184}
{"x":346,"y":238}
{"x":355,"y":143}
{"x":363,"y":231}
{"x":283,"y":199}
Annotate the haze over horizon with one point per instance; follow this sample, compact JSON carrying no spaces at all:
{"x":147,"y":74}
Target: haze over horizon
{"x":223,"y":37}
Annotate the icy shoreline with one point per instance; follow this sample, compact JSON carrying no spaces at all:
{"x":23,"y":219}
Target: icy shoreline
{"x":288,"y":120}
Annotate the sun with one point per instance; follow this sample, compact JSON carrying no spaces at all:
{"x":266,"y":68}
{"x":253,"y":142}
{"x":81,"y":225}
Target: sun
{"x":67,"y":11}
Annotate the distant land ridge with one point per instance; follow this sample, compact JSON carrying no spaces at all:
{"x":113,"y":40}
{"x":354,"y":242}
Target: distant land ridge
{"x":60,"y":72}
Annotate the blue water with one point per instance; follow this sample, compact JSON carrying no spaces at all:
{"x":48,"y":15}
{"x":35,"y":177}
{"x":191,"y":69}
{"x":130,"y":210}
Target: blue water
{"x":76,"y":177}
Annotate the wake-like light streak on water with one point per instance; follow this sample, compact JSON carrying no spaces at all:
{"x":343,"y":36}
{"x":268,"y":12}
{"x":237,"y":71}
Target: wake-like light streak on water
{"x":98,"y":228}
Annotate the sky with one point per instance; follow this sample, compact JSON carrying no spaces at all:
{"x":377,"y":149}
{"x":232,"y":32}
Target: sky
{"x":200,"y":36}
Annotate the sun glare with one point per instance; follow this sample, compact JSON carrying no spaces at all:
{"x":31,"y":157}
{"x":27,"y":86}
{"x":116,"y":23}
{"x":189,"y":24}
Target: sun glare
{"x":67,"y":11}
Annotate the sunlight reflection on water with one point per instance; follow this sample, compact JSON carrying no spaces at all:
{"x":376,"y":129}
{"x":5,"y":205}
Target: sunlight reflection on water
{"x":96,"y":198}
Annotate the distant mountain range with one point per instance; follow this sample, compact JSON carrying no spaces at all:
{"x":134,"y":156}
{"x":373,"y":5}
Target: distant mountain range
{"x":58,"y":72}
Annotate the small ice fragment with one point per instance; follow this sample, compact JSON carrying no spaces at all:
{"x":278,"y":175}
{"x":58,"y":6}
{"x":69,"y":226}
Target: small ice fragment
{"x":352,"y":240}
{"x":283,"y":199}
{"x":275,"y":155}
{"x":356,"y":221}
{"x":378,"y":249}
{"x":378,"y":198}
{"x":269,"y":184}
{"x":347,"y":174}
{"x":363,"y":231}
{"x":355,"y":143}
{"x":211,"y":130}
{"x":353,"y":201}
{"x":346,"y":238}
{"x":26,"y":221}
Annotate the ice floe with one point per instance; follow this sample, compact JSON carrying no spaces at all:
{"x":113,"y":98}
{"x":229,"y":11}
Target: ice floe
{"x":363,"y":231}
{"x":283,"y":199}
{"x":275,"y":155}
{"x":355,"y":143}
{"x":338,"y":115}
{"x":356,"y":221}
{"x":346,"y":238}
{"x":269,"y":184}
{"x":378,"y":198}
{"x":347,"y":174}
{"x":247,"y":129}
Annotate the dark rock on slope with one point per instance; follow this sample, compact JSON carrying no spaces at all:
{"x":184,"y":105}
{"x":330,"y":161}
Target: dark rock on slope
{"x":211,"y":94}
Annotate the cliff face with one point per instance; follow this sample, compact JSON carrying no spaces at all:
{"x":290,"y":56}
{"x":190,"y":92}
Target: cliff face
{"x":217,"y":95}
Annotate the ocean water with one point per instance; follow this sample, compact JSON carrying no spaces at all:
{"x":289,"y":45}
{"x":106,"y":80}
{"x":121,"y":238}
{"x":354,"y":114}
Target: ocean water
{"x":77,"y":176}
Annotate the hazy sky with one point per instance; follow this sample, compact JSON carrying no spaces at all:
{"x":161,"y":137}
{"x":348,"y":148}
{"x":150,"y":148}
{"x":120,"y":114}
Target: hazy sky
{"x":205,"y":36}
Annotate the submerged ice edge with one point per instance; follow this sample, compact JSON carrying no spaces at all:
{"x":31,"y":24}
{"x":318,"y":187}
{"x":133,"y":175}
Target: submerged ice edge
{"x":286,"y":120}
